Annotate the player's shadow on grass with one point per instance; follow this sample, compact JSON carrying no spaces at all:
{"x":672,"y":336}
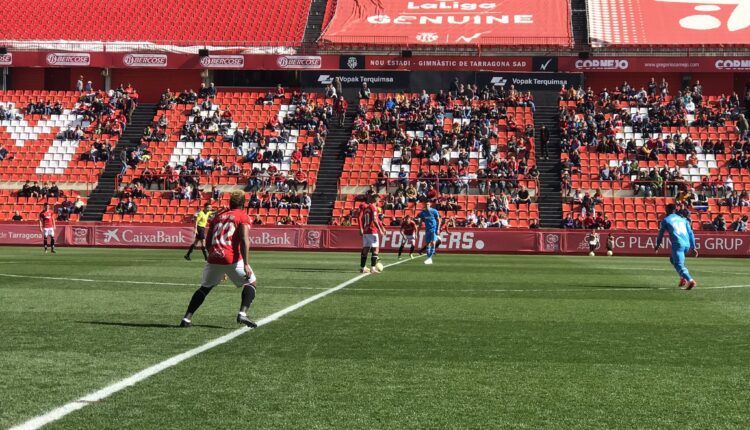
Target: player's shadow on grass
{"x":147,"y":325}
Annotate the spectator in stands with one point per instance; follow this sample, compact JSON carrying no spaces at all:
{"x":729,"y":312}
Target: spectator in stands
{"x":3,"y":152}
{"x":126,"y":207}
{"x":330,"y":91}
{"x":719,"y":224}
{"x":300,"y":180}
{"x":78,"y":206}
{"x":64,"y":210}
{"x":544,"y":137}
{"x":79,"y":84}
{"x":53,"y":190}
{"x":523,"y":196}
{"x":364,"y":92}
{"x":740,"y":224}
{"x":17,"y":217}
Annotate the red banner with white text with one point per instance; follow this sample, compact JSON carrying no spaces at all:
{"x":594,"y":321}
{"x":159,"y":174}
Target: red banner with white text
{"x":450,"y":22}
{"x":488,"y":241}
{"x":655,"y":64}
{"x":669,"y":22}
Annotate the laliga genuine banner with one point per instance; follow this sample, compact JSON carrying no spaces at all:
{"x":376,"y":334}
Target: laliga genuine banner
{"x":449,"y":22}
{"x":669,"y":22}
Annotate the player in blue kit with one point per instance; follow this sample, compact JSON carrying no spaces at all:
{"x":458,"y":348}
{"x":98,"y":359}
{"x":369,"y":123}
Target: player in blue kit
{"x":683,"y":240}
{"x":431,"y":220}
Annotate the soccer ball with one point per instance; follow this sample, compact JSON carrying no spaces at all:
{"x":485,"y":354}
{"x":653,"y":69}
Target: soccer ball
{"x":609,"y":253}
{"x":379,"y":266}
{"x":591,"y":254}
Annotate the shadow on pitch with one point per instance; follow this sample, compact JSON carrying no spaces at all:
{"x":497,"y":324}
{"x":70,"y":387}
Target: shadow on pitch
{"x":147,"y":325}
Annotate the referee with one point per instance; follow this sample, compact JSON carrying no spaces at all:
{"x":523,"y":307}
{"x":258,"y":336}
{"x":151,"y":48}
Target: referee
{"x":201,"y":220}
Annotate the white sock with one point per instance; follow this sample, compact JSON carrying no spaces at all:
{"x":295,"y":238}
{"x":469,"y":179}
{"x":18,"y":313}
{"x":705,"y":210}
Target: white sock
{"x":242,"y":314}
{"x":186,"y":320}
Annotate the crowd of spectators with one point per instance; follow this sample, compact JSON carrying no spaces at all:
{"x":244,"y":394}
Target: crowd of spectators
{"x":43,"y":191}
{"x":479,"y":112}
{"x":594,"y":121}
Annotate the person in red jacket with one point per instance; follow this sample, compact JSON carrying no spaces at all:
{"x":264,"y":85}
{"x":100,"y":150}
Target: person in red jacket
{"x":47,"y":227}
{"x":300,"y":180}
{"x":369,"y":228}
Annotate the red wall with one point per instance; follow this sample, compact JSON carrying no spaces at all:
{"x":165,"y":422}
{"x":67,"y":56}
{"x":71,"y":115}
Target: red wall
{"x":713,"y":83}
{"x":598,"y":81}
{"x":152,"y":83}
{"x":26,"y":78}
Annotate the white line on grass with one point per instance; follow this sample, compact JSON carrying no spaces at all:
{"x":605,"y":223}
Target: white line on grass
{"x":109,"y":281}
{"x":58,"y":413}
{"x":439,"y":290}
{"x":530,"y":290}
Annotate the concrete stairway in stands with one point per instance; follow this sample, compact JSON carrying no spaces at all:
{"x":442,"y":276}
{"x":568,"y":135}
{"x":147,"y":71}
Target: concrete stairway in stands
{"x":314,"y":21}
{"x":580,"y":25}
{"x":550,"y":201}
{"x":331,"y":166}
{"x":102,"y":194}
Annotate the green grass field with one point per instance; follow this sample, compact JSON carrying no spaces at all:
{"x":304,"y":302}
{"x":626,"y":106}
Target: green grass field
{"x":472,"y":342}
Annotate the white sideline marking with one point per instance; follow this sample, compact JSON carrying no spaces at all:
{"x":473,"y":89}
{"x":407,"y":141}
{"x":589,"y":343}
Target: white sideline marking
{"x":548,"y":290}
{"x":55,"y":414}
{"x":109,"y":281}
{"x":439,"y":290}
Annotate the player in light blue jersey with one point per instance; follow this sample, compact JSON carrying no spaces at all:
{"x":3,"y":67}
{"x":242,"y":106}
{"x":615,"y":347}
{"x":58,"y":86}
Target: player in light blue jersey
{"x":683,"y":240}
{"x":431,"y":220}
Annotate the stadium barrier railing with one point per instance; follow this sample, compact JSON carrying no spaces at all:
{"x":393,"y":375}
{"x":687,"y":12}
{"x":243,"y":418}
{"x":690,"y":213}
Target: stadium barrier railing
{"x":334,"y":238}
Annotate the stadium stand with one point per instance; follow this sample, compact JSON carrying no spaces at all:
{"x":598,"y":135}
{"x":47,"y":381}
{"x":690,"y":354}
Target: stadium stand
{"x":57,"y":135}
{"x":421,"y":146}
{"x":67,"y":204}
{"x":260,"y":141}
{"x":689,"y":148}
{"x":177,"y":22}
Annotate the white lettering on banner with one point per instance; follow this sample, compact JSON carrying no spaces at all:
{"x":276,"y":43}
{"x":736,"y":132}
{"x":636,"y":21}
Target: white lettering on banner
{"x":268,"y":239}
{"x":128,"y":236}
{"x":743,"y":64}
{"x":738,"y":20}
{"x":451,"y":19}
{"x":145,"y":60}
{"x":6,"y":59}
{"x":451,"y":5}
{"x":457,"y":240}
{"x":223,"y":62}
{"x":68,"y":59}
{"x":602,"y":64}
{"x":300,"y":62}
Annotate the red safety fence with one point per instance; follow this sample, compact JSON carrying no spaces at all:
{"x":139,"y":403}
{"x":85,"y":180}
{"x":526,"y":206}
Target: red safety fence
{"x":330,"y":238}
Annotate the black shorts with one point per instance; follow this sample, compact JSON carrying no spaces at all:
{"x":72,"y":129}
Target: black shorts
{"x":200,"y":233}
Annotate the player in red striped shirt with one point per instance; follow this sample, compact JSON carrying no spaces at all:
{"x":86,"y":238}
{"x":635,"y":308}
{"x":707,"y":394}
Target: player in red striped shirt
{"x":47,"y":227}
{"x":369,"y":228}
{"x":228,"y":245}
{"x":409,"y":230}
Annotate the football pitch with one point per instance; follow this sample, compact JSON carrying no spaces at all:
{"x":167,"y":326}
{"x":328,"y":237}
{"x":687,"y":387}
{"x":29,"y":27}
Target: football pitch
{"x":471,"y":342}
